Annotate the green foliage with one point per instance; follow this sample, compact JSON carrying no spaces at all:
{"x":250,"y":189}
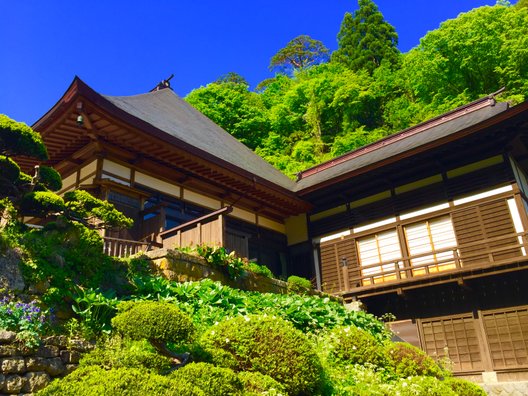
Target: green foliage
{"x":211,"y":379}
{"x":96,"y":212}
{"x":96,"y":381}
{"x":40,"y":203}
{"x":268,"y":345}
{"x":233,"y":78}
{"x":366,"y":39}
{"x":258,"y":269}
{"x":16,"y":138}
{"x":406,"y":360}
{"x":470,"y":56}
{"x":50,"y":178}
{"x":218,"y":257}
{"x":26,"y":319}
{"x":117,"y":352}
{"x":96,"y":308}
{"x":350,"y":345}
{"x":9,"y":170}
{"x":154,"y":321}
{"x":300,"y":52}
{"x":209,"y":302}
{"x":463,"y":387}
{"x":420,"y":386}
{"x":256,"y":383}
{"x":233,"y":107}
{"x":64,"y":254}
{"x":299,"y":285}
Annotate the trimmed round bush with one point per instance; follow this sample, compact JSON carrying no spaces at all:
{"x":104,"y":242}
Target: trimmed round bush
{"x":299,"y":285}
{"x":40,"y":203}
{"x":96,"y":381}
{"x":116,"y":353}
{"x":258,"y":384}
{"x":268,"y":345}
{"x":218,"y":381}
{"x":407,"y":360}
{"x":50,"y":178}
{"x":350,"y":345}
{"x":158,"y":322}
{"x":463,"y":387}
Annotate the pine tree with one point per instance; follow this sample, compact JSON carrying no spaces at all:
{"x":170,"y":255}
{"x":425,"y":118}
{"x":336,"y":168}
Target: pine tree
{"x":365,"y":39}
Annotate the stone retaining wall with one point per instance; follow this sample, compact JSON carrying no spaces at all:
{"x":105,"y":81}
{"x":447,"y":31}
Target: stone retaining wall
{"x":518,"y":388}
{"x":24,"y":371}
{"x":181,"y":267}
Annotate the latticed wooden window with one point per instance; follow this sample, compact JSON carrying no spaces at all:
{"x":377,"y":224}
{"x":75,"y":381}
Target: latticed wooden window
{"x":380,"y":257}
{"x":435,"y":236}
{"x":454,"y":338}
{"x":507,"y":334}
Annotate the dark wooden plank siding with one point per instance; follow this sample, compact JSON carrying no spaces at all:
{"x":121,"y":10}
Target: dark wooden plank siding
{"x":454,"y":338}
{"x":507,"y":335}
{"x":475,"y":225}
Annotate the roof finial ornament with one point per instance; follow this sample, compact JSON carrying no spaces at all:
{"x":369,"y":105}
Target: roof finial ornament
{"x":163,"y":84}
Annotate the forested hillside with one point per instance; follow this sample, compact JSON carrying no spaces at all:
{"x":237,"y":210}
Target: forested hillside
{"x":321,"y":105}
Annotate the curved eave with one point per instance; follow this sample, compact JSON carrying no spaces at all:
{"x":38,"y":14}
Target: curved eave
{"x":80,"y":91}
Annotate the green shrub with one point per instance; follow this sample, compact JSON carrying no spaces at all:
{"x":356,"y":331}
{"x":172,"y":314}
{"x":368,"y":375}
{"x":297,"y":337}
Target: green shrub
{"x":419,"y":386}
{"x":50,"y":178}
{"x":463,"y":387}
{"x":355,"y":379}
{"x":350,"y":345}
{"x":64,"y":254}
{"x":259,"y":269}
{"x":154,"y":321}
{"x":9,"y":169}
{"x":258,"y":384}
{"x":18,"y":138}
{"x":268,"y":345}
{"x":406,"y":360}
{"x":117,"y":352}
{"x":212,"y":380}
{"x":39,"y":203}
{"x":299,"y":285}
{"x":95,"y":381}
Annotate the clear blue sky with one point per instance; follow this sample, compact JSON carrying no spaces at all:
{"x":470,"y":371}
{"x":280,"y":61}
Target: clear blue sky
{"x":127,"y":47}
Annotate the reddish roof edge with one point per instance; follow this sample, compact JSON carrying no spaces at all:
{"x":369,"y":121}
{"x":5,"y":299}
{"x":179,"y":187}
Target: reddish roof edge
{"x":79,"y":88}
{"x":445,"y":117}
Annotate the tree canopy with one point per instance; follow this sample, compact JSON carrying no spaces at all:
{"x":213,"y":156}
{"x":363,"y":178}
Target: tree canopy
{"x":299,"y":120}
{"x":300,"y":52}
{"x":366,"y":39}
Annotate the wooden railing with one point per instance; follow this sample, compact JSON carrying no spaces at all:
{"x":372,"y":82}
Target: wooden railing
{"x":490,"y":241}
{"x":402,"y":269}
{"x":123,"y":247}
{"x":208,"y":229}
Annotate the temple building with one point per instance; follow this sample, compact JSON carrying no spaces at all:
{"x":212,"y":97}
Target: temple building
{"x":429,"y":224}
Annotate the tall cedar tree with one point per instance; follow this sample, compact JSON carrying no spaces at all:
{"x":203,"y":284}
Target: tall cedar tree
{"x":365,"y":39}
{"x":299,"y":53}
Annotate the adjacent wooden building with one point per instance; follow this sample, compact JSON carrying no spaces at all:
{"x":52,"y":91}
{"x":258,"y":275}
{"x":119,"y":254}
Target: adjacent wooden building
{"x":429,"y":224}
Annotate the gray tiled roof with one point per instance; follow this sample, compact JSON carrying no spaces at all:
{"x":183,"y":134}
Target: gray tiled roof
{"x":167,"y":112}
{"x":396,"y":147}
